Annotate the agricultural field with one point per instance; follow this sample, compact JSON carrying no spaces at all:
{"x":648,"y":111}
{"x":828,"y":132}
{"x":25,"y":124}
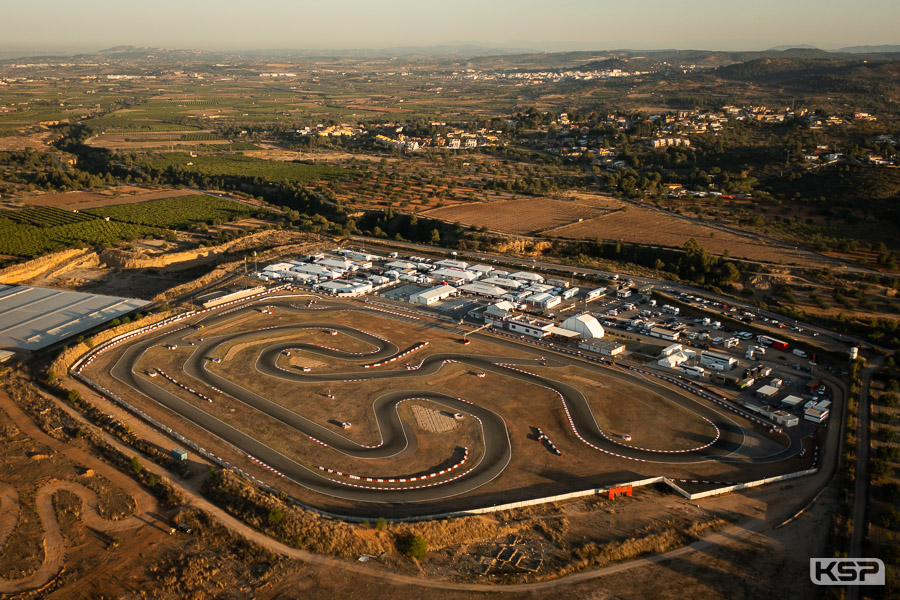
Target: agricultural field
{"x":181,"y":212}
{"x":640,"y":225}
{"x":22,"y":238}
{"x":111,"y":197}
{"x":244,"y":167}
{"x":522,"y":217}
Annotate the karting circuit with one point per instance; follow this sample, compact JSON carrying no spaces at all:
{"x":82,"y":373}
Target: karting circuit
{"x":348,"y":404}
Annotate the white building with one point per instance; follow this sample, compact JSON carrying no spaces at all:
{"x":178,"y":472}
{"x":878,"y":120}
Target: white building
{"x":453,"y":275}
{"x":452,"y":264}
{"x":674,"y":360}
{"x":480,"y":269}
{"x":585,"y":325}
{"x":435,"y":294}
{"x":594,"y":294}
{"x":499,"y":311}
{"x":317,"y":270}
{"x":341,"y":264}
{"x":510,"y":284}
{"x":526,"y":276}
{"x":720,"y":362}
{"x":543,"y":300}
{"x":604,"y":347}
{"x":530,"y":326}
{"x":401,"y":266}
{"x":479,"y":288}
{"x":668,"y":350}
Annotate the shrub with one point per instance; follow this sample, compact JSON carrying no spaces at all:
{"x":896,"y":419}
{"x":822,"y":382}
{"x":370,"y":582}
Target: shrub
{"x":415,"y":546}
{"x":136,"y":465}
{"x":276,"y":515}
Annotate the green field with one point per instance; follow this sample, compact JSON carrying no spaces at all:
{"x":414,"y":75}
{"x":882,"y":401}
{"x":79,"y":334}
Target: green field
{"x":177,"y":213}
{"x":22,"y":238}
{"x":47,"y":216}
{"x":246,"y":167}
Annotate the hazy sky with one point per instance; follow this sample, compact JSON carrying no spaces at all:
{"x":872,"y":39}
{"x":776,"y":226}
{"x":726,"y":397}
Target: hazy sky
{"x":557,"y":25}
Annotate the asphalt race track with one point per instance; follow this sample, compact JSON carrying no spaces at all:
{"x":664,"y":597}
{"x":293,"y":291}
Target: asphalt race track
{"x":397,"y":438}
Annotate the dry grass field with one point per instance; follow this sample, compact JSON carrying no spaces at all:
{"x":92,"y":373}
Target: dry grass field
{"x":646,"y":226}
{"x":111,"y":197}
{"x":524,"y":216}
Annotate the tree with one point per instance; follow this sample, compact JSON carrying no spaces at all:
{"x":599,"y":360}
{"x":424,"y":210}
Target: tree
{"x":435,"y":237}
{"x":74,"y":395}
{"x":416,"y":546}
{"x":276,"y":515}
{"x":136,"y":465}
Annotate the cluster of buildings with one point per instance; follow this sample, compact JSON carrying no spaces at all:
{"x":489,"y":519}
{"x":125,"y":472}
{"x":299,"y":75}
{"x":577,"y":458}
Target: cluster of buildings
{"x":511,"y":299}
{"x":539,"y":77}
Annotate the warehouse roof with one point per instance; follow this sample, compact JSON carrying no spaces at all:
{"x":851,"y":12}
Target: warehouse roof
{"x":32,"y":318}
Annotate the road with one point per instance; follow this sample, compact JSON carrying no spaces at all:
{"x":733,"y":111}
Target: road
{"x":861,"y":484}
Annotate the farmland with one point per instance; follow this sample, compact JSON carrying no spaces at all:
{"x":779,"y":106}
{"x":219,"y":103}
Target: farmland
{"x":24,"y":239}
{"x":646,"y":226}
{"x":177,"y":213}
{"x":525,"y":216}
{"x":244,"y":167}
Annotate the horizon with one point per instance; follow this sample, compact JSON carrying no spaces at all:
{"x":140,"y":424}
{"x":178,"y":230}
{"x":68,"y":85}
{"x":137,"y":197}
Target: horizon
{"x":527,"y":25}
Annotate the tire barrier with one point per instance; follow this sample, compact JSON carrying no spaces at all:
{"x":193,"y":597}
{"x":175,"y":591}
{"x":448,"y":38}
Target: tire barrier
{"x":546,"y":441}
{"x":706,"y":396}
{"x":184,"y":387}
{"x":400,"y":479}
{"x":396,"y":357}
{"x":90,"y":356}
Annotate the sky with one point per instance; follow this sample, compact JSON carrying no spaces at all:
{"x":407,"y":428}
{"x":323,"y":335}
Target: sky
{"x":86,"y":25}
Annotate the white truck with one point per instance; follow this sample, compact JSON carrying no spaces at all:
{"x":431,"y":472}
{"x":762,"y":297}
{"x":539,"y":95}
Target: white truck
{"x":799,"y":352}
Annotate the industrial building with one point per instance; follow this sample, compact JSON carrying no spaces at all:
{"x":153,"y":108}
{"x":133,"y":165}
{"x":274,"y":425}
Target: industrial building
{"x":602,"y":347}
{"x":530,"y":326}
{"x":435,"y":294}
{"x":720,"y":362}
{"x":32,"y":318}
{"x":585,"y":325}
{"x":499,"y":311}
{"x":479,"y":288}
{"x":526,"y":276}
{"x":543,"y":300}
{"x":675,"y":359}
{"x":791,"y":401}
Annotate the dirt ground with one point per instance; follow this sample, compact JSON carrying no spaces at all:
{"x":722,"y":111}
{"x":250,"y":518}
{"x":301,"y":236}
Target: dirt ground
{"x":523,"y":216}
{"x":149,"y":563}
{"x":646,"y":226}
